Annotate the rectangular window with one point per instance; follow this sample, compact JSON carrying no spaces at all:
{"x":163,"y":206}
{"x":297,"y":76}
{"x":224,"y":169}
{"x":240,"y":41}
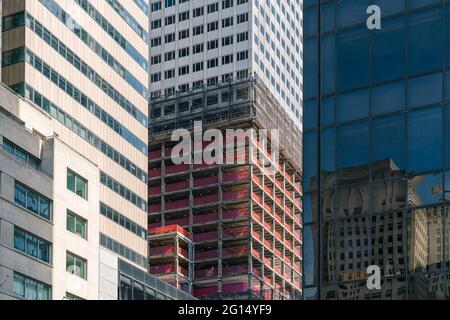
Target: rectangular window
{"x":213,"y":7}
{"x":76,"y":265}
{"x":213,"y":26}
{"x":76,"y":224}
{"x":32,"y":245}
{"x":31,"y":200}
{"x":30,"y":289}
{"x":77,"y":184}
{"x":197,"y":12}
{"x":197,"y":48}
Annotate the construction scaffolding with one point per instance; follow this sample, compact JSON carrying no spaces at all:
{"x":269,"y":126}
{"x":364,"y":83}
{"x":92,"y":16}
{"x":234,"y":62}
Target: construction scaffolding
{"x":242,"y":225}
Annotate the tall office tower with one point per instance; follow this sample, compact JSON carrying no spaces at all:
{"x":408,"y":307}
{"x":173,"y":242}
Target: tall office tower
{"x":376,"y":152}
{"x":84,"y":64}
{"x":207,"y":42}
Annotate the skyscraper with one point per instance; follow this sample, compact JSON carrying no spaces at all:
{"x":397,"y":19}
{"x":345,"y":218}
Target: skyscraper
{"x":224,"y":231}
{"x":84,"y":64}
{"x":376,"y":155}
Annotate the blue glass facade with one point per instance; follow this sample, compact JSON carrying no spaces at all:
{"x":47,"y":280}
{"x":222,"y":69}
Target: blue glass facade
{"x":377,"y":149}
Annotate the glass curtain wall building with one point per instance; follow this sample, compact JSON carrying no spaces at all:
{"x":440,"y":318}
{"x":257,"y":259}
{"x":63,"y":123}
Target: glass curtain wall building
{"x":377,"y":149}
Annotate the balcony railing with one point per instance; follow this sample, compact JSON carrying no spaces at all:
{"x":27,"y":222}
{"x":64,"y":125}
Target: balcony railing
{"x":236,"y":251}
{"x":234,"y":270}
{"x":172,"y":187}
{"x":204,"y":218}
{"x":181,"y":221}
{"x":210,"y":254}
{"x":235,"y":233}
{"x":235,"y":176}
{"x":153,"y":173}
{"x":238,"y":213}
{"x":169,"y":229}
{"x":205,"y":236}
{"x":203,"y":200}
{"x":178,"y":204}
{"x":163,"y":268}
{"x":206,"y":273}
{"x":153,"y":191}
{"x":153,"y":155}
{"x":205,"y":181}
{"x":161,"y":251}
{"x":177,"y":168}
{"x":153,"y":208}
{"x":235,"y":195}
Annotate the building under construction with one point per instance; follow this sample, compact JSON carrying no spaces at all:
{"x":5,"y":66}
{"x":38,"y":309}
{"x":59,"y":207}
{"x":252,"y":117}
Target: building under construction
{"x":226,"y":231}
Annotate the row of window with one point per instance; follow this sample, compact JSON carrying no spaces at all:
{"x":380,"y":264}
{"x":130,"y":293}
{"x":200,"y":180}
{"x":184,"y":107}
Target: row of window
{"x":143,"y":5}
{"x":123,"y":191}
{"x":77,"y":184}
{"x":57,"y":113}
{"x":122,"y":250}
{"x":33,"y":201}
{"x":90,"y":73}
{"x":199,"y":66}
{"x":21,"y":154}
{"x":213,"y":7}
{"x":30,"y":289}
{"x":32,"y":245}
{"x":199,"y":48}
{"x":129,"y":19}
{"x":95,"y":46}
{"x":123,"y":221}
{"x":109,"y":29}
{"x":200,"y":84}
{"x":79,"y":96}
{"x":211,"y":26}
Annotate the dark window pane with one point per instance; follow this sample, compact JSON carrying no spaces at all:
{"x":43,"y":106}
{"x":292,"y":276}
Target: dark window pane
{"x":424,"y":140}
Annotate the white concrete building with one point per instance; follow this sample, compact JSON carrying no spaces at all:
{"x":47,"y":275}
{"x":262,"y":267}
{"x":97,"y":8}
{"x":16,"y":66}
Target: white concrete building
{"x":205,"y":42}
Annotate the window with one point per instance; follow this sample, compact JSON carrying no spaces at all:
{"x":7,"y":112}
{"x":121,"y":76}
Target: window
{"x":227,"y":59}
{"x":156,"y":42}
{"x":155,"y":77}
{"x":213,"y":26}
{"x":183,"y":16}
{"x":213,"y":44}
{"x":197,"y":48}
{"x":227,"y":4}
{"x":213,"y":7}
{"x":169,"y":38}
{"x":169,"y":56}
{"x":30,"y":289}
{"x":156,"y":6}
{"x":32,"y":245}
{"x":183,"y":34}
{"x":76,"y":265}
{"x":226,"y":41}
{"x":213,"y":63}
{"x":227,"y":22}
{"x":242,"y":18}
{"x":31,"y":200}
{"x":197,"y":66}
{"x":76,"y":224}
{"x":183,"y":52}
{"x":183,"y":70}
{"x":197,"y":30}
{"x":169,"y":3}
{"x":72,"y":297}
{"x":197,"y":12}
{"x":77,"y":184}
{"x":243,"y":55}
{"x":156,"y":59}
{"x":212,"y":81}
{"x":168,"y":74}
{"x":242,"y":36}
{"x":156,"y":24}
{"x":169,"y":20}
